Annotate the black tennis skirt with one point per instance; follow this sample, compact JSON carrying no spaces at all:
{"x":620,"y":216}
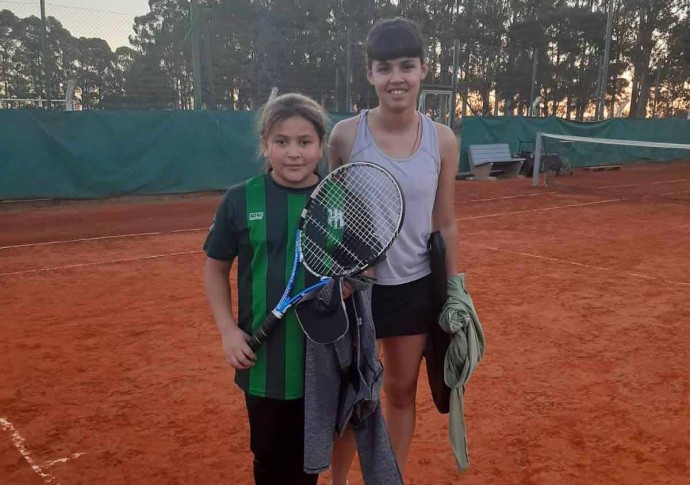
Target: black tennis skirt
{"x":405,"y":309}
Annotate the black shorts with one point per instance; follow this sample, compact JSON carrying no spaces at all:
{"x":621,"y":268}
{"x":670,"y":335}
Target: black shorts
{"x":405,"y":309}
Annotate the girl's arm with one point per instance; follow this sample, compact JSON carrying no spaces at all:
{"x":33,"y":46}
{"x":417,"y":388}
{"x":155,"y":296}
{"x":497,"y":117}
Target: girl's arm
{"x":443,"y":216}
{"x":340,"y":142}
{"x":217,"y":286}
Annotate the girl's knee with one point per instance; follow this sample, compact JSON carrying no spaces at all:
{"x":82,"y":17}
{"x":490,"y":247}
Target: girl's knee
{"x":401,"y":395}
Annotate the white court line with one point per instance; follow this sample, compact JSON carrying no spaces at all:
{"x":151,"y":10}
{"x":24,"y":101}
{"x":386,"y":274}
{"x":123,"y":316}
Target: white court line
{"x":508,"y":197}
{"x":73,"y":456}
{"x":556,"y":192}
{"x":676,"y":193}
{"x":648,"y":183}
{"x":97,"y":263}
{"x":538,"y":210}
{"x":600,"y":268}
{"x":15,"y":201}
{"x":19,"y":443}
{"x":101,"y":238}
{"x":141,"y":234}
{"x":498,"y":214}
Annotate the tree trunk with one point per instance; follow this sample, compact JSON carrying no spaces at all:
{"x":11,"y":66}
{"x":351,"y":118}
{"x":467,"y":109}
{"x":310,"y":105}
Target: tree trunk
{"x":580,"y":112}
{"x":485,"y":99}
{"x":645,"y":44}
{"x":508,"y":94}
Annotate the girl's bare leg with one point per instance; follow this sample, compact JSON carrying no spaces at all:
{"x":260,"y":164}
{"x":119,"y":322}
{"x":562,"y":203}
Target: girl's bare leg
{"x":402,"y":357}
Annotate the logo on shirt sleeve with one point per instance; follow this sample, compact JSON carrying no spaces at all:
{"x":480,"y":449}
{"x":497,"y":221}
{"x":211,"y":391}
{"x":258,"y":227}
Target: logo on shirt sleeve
{"x":256,"y":216}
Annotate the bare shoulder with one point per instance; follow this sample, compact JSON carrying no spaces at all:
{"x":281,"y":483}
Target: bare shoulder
{"x":345,"y":130}
{"x":341,"y":141}
{"x":447,"y":142}
{"x":446,"y":137}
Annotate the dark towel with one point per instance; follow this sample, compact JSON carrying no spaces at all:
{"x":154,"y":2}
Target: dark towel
{"x":438,"y":340}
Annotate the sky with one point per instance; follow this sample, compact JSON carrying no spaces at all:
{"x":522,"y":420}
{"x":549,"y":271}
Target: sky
{"x":111,"y":20}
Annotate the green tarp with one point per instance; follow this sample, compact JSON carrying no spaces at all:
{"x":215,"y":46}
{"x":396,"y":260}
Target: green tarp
{"x":100,"y":153}
{"x":486,"y":130}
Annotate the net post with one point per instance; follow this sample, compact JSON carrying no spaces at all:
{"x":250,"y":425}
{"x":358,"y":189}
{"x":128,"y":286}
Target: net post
{"x":537,"y":160}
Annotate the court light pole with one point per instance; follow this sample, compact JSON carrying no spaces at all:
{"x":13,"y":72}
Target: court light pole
{"x":196,"y":55}
{"x":348,"y":74}
{"x":535,"y":60}
{"x":454,"y":82}
{"x":601,"y":102}
{"x":46,"y":64}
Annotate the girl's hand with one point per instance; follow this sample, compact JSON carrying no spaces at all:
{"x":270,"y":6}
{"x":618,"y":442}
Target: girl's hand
{"x":236,"y":349}
{"x":347,"y":290}
{"x":367,"y":276}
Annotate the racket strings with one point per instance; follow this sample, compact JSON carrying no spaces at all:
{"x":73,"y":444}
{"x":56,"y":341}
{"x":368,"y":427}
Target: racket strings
{"x":325,"y":262}
{"x":372,"y":202}
{"x":351,"y":220}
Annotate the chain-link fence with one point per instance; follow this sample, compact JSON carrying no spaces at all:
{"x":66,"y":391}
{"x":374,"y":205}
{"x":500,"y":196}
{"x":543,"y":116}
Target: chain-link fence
{"x":489,"y":58}
{"x":80,"y":53}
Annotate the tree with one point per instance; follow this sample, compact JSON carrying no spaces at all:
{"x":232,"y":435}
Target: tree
{"x":250,"y":46}
{"x":96,"y":71}
{"x":147,"y":85}
{"x":28,"y":82}
{"x":10,"y":27}
{"x":162,"y":37}
{"x":651,"y":21}
{"x":673,"y":86}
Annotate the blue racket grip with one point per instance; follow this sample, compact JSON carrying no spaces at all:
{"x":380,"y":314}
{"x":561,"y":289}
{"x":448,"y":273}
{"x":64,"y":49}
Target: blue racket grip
{"x":261,"y":334}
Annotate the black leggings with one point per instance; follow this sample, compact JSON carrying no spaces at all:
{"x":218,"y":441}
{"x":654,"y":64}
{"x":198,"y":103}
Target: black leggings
{"x":277,"y":441}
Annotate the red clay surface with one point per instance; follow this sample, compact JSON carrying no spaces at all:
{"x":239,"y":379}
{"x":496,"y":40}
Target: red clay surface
{"x":107,"y":347}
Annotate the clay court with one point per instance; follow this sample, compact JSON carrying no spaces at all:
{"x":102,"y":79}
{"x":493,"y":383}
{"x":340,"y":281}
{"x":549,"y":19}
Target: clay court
{"x":113,"y":371}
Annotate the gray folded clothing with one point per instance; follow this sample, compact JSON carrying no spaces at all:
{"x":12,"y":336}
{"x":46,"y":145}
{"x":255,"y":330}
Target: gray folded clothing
{"x":342,"y":383}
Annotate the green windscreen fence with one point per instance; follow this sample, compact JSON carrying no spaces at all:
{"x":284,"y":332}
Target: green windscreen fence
{"x":100,"y":154}
{"x":519,"y":133}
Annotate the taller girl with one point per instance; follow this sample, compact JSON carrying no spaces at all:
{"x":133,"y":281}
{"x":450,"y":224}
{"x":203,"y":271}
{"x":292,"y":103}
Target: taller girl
{"x":423,"y":157}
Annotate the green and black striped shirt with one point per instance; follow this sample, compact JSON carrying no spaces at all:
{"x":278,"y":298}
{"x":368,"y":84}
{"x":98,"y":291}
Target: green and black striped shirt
{"x":256,"y":224}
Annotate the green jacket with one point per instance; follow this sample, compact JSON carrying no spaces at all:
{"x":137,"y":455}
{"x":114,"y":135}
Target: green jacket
{"x":460,"y":319}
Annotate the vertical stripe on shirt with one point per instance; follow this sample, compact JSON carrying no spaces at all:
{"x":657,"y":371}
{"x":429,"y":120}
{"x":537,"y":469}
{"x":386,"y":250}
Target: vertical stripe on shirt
{"x":294,"y":338}
{"x":276,"y":222}
{"x":255,"y":194}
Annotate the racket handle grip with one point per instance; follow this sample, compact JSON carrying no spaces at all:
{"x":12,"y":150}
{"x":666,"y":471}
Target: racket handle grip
{"x":262,"y":333}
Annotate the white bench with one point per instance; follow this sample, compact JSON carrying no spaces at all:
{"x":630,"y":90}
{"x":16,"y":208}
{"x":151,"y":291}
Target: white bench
{"x":488,"y":161}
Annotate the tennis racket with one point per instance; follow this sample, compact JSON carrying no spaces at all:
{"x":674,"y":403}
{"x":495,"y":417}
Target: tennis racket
{"x":349,"y":222}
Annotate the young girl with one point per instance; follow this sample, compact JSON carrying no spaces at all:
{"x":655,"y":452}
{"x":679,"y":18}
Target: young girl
{"x":423,"y":156}
{"x":256,"y":223}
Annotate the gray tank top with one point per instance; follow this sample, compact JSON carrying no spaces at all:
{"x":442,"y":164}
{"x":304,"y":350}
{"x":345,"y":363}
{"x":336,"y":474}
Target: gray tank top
{"x":408,"y":258}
